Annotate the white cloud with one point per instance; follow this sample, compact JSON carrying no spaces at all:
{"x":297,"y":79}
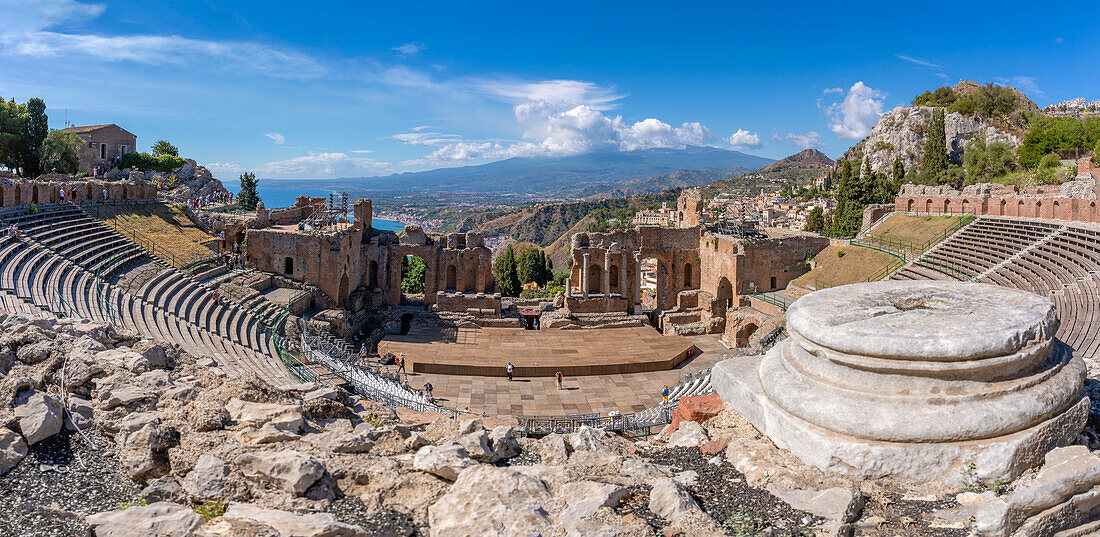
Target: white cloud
{"x":919,"y":62}
{"x":361,"y":151}
{"x":1026,"y":84}
{"x":276,"y":137}
{"x":743,"y":139}
{"x":827,"y":91}
{"x":853,"y":118}
{"x":224,"y":169}
{"x":420,"y":137}
{"x":321,"y":166}
{"x":409,"y":49}
{"x":801,"y":141}
{"x":43,"y":14}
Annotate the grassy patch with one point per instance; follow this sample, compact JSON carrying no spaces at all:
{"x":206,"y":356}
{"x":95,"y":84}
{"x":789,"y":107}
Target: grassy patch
{"x":167,"y":226}
{"x":914,"y":229}
{"x":840,"y":265}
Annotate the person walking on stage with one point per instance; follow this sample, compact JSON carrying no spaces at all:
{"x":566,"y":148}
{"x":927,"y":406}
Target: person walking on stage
{"x":559,"y":377}
{"x":509,"y":369}
{"x":664,"y":395}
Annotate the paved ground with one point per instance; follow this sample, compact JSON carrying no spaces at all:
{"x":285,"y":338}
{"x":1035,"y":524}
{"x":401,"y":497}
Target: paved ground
{"x":538,"y":396}
{"x":538,"y":353}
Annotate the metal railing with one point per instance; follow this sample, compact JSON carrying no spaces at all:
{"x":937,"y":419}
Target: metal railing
{"x":625,"y":423}
{"x":771,"y":298}
{"x":910,"y":250}
{"x":148,"y":243}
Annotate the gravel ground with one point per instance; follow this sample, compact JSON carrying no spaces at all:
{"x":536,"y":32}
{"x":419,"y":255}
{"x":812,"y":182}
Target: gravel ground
{"x":723,"y":494}
{"x":350,"y":510}
{"x":61,"y":480}
{"x":899,"y":516}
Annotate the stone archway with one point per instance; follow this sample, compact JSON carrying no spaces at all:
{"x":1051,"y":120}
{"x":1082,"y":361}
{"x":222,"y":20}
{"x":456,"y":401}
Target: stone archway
{"x":595,"y":275}
{"x":344,"y":290}
{"x":613,"y":279}
{"x":724,"y":297}
{"x":689,"y":276}
{"x":911,"y":205}
{"x":744,"y":334}
{"x":372,"y":275}
{"x":452,"y":279}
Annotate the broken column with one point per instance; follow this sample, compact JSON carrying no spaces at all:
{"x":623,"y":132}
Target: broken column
{"x":914,"y":379}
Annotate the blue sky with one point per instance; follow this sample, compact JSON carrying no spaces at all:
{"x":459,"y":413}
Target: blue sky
{"x":319,"y":90}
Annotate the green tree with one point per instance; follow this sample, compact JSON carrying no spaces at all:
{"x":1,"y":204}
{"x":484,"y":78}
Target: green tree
{"x":1047,"y":172}
{"x":504,"y":272}
{"x":248,"y":197}
{"x":898,"y":173}
{"x":413,"y":270}
{"x":984,"y":162}
{"x":162,"y":147}
{"x":850,"y":196}
{"x":1065,"y":135}
{"x":934,"y":162}
{"x":36,"y":128}
{"x":530,"y":265}
{"x":13,"y":121}
{"x":815,"y":221}
{"x":548,"y":268}
{"x":1096,"y":153}
{"x":60,"y":152}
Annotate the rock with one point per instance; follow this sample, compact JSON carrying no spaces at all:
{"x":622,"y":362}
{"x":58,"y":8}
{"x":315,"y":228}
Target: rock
{"x":80,"y":413}
{"x":669,"y":499}
{"x":39,"y":415}
{"x":144,"y":453}
{"x":585,"y":498}
{"x":291,"y":524}
{"x":268,"y":434}
{"x":837,"y":503}
{"x":446,"y":460}
{"x":552,"y":449}
{"x":714,"y":447}
{"x":504,"y":443}
{"x":134,"y":421}
{"x":690,"y":434}
{"x":206,"y":415}
{"x":35,"y":352}
{"x":697,"y":409}
{"x":586,"y":439}
{"x":12,"y":449}
{"x":326,"y":392}
{"x":487,"y":500}
{"x":285,"y":417}
{"x":638,"y":468}
{"x":341,"y":442}
{"x":153,"y":353}
{"x":294,"y":470}
{"x":207,"y":479}
{"x":476,"y":445}
{"x":415,"y":442}
{"x":469,"y":425}
{"x":1064,"y":494}
{"x":161,"y":519}
{"x":124,"y":395}
{"x":163,"y":489}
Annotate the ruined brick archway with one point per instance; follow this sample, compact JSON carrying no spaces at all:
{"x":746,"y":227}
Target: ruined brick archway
{"x":745,"y":333}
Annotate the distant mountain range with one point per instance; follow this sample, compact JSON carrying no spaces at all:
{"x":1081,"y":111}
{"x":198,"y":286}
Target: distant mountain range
{"x":576,"y":176}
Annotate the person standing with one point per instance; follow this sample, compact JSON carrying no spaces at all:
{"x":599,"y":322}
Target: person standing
{"x":560,"y":377}
{"x":664,"y":395}
{"x":62,"y":194}
{"x":509,"y":369}
{"x":428,"y":391}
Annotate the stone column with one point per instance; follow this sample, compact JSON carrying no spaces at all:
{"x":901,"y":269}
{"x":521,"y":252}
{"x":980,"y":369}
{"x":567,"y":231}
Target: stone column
{"x":622,"y":273}
{"x":637,"y":283}
{"x":605,"y":285}
{"x":584,"y":275}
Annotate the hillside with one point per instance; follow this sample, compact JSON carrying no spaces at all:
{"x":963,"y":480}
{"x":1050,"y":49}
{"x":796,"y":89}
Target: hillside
{"x":574,"y":176}
{"x":657,"y":183}
{"x":800,"y":166}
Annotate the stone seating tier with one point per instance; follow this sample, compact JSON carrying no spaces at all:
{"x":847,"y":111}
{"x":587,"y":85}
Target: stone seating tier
{"x":914,"y":379}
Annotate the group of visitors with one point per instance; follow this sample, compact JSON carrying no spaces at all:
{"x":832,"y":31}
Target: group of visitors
{"x":13,"y":231}
{"x":424,"y":393}
{"x":201,"y":201}
{"x":216,"y":296}
{"x":235,"y":261}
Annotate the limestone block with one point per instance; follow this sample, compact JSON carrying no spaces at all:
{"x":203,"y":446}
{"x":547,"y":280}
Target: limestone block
{"x":39,"y":415}
{"x":12,"y":449}
{"x":286,"y":523}
{"x":161,"y":519}
{"x":284,"y":417}
{"x":690,"y":434}
{"x":207,"y":479}
{"x":487,"y":500}
{"x":671,"y":500}
{"x":445,"y":460}
{"x":294,"y":470}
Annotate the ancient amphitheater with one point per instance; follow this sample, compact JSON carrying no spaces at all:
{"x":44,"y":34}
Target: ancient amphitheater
{"x":967,"y":367}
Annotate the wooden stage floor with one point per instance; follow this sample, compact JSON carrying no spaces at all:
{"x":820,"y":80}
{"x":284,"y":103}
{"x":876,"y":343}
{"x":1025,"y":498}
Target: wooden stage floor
{"x":538,"y":353}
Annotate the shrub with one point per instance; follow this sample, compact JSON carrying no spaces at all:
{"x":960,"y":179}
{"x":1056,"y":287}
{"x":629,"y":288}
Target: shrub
{"x":145,"y":162}
{"x":839,"y":254}
{"x":211,"y":509}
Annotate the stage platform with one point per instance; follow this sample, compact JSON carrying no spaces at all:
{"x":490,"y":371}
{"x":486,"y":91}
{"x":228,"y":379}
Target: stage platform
{"x":538,"y":353}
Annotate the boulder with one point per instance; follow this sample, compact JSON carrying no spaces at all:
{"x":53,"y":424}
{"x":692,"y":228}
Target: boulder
{"x":689,"y":434}
{"x":670,"y":500}
{"x":80,"y":413}
{"x":476,"y":445}
{"x":838,"y":504}
{"x":341,"y":442}
{"x":12,"y":449}
{"x":552,"y":449}
{"x":285,"y":417}
{"x":39,"y":415}
{"x":504,"y":443}
{"x":288,"y":524}
{"x":697,"y":409}
{"x":294,"y":470}
{"x":207,"y":479}
{"x":153,"y":353}
{"x":164,"y":489}
{"x":134,"y":421}
{"x":632,"y":467}
{"x":469,"y":425}
{"x":35,"y":352}
{"x":268,"y":434}
{"x":487,"y":500}
{"x":587,"y":439}
{"x":144,"y":453}
{"x":160,"y":519}
{"x":585,"y":498}
{"x":446,"y":460}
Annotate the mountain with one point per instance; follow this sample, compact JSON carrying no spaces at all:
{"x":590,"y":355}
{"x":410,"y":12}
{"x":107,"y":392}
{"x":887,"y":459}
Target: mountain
{"x":592,"y":174}
{"x":657,"y":183}
{"x":802,"y":165}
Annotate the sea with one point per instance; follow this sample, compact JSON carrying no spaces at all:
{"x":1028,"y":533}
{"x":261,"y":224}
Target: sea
{"x":276,"y":196}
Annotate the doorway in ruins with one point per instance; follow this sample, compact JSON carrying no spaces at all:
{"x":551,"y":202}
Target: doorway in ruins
{"x":654,"y":275}
{"x":724,"y":300}
{"x":414,"y":272}
{"x":744,"y":334}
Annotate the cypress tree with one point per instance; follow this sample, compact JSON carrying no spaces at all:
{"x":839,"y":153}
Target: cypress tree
{"x":504,"y":272}
{"x":247,"y":198}
{"x":899,"y":173}
{"x":933,"y":165}
{"x":35,"y":131}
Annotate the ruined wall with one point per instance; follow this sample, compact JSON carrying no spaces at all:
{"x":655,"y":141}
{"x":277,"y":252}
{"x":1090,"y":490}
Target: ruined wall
{"x":20,"y":192}
{"x":689,"y":208}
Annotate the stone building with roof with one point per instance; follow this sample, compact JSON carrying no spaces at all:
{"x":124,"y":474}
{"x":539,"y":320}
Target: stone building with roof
{"x":103,"y":145}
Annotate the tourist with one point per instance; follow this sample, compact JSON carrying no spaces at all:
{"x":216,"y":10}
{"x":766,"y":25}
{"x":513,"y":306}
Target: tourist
{"x":62,"y":194}
{"x":104,"y":193}
{"x":664,"y":394}
{"x":509,"y":370}
{"x":363,"y":352}
{"x":401,"y":364}
{"x":407,"y":387}
{"x":560,"y":378}
{"x":34,"y":208}
{"x":397,"y":362}
{"x":428,"y":390}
